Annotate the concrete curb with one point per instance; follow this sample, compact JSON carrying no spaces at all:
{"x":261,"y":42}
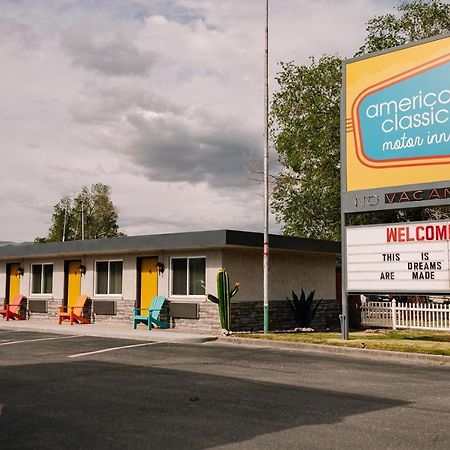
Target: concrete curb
{"x":385,"y":355}
{"x":110,"y":331}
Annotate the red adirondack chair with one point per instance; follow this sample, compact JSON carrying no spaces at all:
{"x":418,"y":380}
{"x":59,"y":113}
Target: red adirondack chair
{"x":74,"y":313}
{"x":15,"y":309}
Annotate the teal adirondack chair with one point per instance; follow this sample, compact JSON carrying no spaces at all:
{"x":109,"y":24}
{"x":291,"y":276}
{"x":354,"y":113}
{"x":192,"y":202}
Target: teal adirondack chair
{"x":151,"y":318}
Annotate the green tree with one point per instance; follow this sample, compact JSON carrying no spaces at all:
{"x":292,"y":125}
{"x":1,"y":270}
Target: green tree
{"x":305,"y":133}
{"x":305,"y":125}
{"x":93,"y":208}
{"x":418,"y":19}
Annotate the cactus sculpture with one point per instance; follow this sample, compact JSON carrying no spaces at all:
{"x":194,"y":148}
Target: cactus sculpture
{"x":223,"y":299}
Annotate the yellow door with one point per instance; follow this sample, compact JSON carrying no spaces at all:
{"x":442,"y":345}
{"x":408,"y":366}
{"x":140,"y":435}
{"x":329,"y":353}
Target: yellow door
{"x":148,"y":281}
{"x":14,"y":282}
{"x":73,"y":282}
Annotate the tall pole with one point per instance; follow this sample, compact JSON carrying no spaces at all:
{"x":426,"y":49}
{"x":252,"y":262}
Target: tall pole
{"x":266,"y":176}
{"x":65,"y":221}
{"x":82,"y":221}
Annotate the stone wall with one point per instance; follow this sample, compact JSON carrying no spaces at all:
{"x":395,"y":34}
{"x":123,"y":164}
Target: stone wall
{"x":245,"y":316}
{"x":249,"y":316}
{"x":208,"y":319}
{"x":124,"y":312}
{"x":52,"y":310}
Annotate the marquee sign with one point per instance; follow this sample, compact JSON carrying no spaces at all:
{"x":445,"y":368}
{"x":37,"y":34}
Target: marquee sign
{"x":395,"y":154}
{"x":396,"y":123}
{"x":406,"y":257}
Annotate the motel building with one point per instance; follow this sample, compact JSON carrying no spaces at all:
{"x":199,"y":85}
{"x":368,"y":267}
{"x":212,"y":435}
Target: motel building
{"x":119,"y":274}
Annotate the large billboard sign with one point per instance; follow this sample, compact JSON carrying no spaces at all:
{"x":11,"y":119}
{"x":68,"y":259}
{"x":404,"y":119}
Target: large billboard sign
{"x":399,"y":258}
{"x":396,"y":128}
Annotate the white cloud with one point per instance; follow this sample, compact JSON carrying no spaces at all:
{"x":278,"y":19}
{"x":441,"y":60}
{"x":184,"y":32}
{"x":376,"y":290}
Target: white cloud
{"x":162,"y":100}
{"x":109,"y":54}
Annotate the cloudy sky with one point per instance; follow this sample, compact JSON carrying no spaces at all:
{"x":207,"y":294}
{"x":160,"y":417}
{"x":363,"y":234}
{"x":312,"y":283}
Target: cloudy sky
{"x":160,"y":99}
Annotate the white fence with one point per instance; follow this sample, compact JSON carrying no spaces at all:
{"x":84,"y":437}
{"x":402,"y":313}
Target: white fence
{"x":422,"y":316}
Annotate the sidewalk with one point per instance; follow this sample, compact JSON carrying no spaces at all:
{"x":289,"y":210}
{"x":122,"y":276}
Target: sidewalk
{"x":121,"y":331}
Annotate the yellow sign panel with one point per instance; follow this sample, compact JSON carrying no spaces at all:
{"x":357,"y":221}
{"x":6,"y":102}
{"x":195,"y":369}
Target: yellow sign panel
{"x":397,"y":113}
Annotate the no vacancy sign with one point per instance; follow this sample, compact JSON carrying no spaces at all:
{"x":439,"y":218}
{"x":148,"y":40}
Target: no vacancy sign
{"x":406,"y":257}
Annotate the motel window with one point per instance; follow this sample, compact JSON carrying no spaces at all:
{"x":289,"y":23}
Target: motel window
{"x":108,"y":277}
{"x":188,"y":275}
{"x":41,"y":278}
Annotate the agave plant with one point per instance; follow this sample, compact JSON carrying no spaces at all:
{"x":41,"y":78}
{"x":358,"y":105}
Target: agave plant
{"x":303,"y":309}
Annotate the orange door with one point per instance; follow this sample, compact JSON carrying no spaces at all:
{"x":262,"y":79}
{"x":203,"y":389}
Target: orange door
{"x":73,"y":280}
{"x":13,"y":282}
{"x":148,"y":281}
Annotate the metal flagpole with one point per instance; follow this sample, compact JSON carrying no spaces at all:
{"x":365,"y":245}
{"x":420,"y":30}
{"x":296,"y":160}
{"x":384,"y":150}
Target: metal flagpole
{"x":266,"y":176}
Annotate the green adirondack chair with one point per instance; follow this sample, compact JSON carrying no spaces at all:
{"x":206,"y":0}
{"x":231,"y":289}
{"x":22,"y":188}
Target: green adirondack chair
{"x":151,"y":318}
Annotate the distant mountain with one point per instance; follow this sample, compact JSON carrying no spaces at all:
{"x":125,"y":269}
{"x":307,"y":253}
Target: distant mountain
{"x":3,"y":243}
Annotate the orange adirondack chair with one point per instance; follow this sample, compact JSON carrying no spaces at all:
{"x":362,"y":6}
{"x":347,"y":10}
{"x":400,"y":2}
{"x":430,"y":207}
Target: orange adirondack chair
{"x":74,"y":313}
{"x":14,"y":310}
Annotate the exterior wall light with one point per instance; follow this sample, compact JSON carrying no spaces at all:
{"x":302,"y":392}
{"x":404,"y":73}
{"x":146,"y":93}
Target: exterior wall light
{"x":20,"y":271}
{"x":160,"y":268}
{"x":82,"y":269}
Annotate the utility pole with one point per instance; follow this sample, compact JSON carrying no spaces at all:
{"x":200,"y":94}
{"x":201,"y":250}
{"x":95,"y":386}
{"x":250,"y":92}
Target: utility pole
{"x":82,"y":221}
{"x":266,"y":176}
{"x":65,"y":219}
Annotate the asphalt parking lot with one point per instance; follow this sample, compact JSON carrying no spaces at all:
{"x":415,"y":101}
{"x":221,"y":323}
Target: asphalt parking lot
{"x":61,"y":391}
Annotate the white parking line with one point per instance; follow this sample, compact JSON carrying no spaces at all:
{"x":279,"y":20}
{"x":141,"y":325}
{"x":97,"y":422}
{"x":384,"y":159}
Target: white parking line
{"x":40,"y":339}
{"x":110,"y":349}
